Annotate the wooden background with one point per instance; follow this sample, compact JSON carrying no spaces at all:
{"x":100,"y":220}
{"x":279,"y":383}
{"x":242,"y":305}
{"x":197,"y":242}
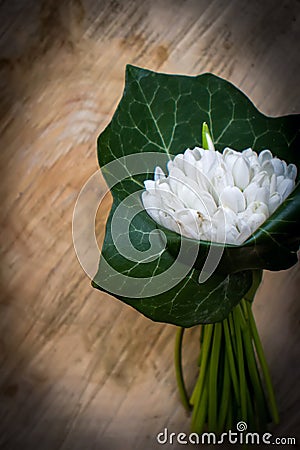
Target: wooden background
{"x":79,"y":370}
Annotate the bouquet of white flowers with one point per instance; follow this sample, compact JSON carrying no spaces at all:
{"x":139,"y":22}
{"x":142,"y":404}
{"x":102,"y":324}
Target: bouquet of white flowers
{"x":193,"y":224}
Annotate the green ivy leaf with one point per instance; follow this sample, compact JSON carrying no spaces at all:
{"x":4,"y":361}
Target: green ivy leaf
{"x":163,"y":114}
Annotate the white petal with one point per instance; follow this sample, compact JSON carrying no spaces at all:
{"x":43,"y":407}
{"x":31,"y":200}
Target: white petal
{"x":250,"y":192}
{"x":202,"y":178}
{"x":178,"y":161}
{"x":230,"y":157}
{"x":291,"y":171}
{"x":253,"y":161}
{"x":208,"y":162}
{"x":255,"y":220}
{"x":228,"y":151}
{"x":232,"y":236}
{"x":189,"y":164}
{"x":222,"y":179}
{"x":198,"y":152}
{"x":224,"y":216}
{"x":249,"y":153}
{"x":284,"y":168}
{"x":206,"y":137}
{"x":278,"y":166}
{"x":170,"y":201}
{"x":245,"y":231}
{"x":233,"y":198}
{"x":285,"y":187}
{"x":210,"y":143}
{"x":265,"y":155}
{"x":225,"y":222}
{"x":268,"y":167}
{"x":162,"y":185}
{"x":187,"y":220}
{"x":158,"y":173}
{"x":205,"y":204}
{"x":150,"y":186}
{"x":166,"y":220}
{"x":193,"y":199}
{"x":262,"y":195}
{"x":254,"y":168}
{"x":254,"y":208}
{"x":152,"y":205}
{"x":208,"y":228}
{"x":188,"y":197}
{"x":176,"y":178}
{"x":273,"y":184}
{"x":260,"y":178}
{"x":274,"y":202}
{"x":241,"y":172}
{"x":279,"y":179}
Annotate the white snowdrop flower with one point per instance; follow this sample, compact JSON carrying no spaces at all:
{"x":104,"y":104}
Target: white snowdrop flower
{"x":159,"y":174}
{"x":291,"y":171}
{"x":278,"y":166}
{"x":218,"y":197}
{"x":264,"y":156}
{"x":285,"y":187}
{"x":241,"y":171}
{"x":274,"y":202}
{"x":233,"y":198}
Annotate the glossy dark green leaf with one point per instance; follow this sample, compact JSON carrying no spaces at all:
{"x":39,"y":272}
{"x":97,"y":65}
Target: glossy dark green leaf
{"x":163,"y":114}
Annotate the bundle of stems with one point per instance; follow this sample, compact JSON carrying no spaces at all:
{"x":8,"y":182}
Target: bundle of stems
{"x":234,"y":382}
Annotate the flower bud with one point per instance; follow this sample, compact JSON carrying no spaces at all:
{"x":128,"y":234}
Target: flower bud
{"x":241,"y":172}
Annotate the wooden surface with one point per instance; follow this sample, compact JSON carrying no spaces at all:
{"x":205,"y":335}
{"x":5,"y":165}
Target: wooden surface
{"x":79,"y":370}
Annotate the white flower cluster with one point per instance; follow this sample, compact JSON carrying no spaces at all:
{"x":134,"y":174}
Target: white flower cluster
{"x":218,"y":197}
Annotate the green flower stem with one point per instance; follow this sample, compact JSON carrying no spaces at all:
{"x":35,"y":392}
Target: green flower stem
{"x":259,"y":395}
{"x":241,"y":318}
{"x":232,"y":332}
{"x":263,"y":365}
{"x":201,"y":413}
{"x":241,"y":365}
{"x":245,"y":309}
{"x":196,"y":396}
{"x":229,"y":418}
{"x":225,"y":396}
{"x":251,"y":422}
{"x":178,"y":368}
{"x":213,"y":376}
{"x":256,"y":280}
{"x":201,"y":342}
{"x":231,"y":362}
{"x":230,"y":385}
{"x":207,"y":334}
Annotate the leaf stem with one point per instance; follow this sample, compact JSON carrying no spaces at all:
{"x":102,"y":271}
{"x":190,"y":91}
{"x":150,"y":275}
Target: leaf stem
{"x":178,"y":368}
